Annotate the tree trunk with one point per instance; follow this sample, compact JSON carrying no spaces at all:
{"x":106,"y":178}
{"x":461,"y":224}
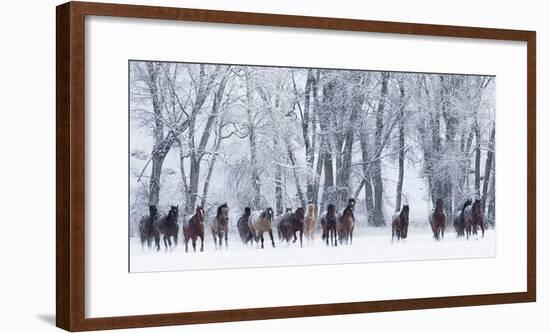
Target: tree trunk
{"x":488,"y":167}
{"x":369,"y":199}
{"x":477,"y":180}
{"x":401,"y":146}
{"x":255,"y":178}
{"x":357,"y":100}
{"x":292,"y":159}
{"x":378,"y":218}
{"x":159,"y":152}
{"x":326,"y":147}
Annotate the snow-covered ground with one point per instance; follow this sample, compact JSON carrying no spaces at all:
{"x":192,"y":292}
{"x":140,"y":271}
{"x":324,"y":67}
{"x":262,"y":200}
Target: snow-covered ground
{"x":369,"y":245}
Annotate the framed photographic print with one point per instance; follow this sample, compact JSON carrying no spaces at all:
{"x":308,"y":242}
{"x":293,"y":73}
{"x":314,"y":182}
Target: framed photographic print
{"x":257,"y":166}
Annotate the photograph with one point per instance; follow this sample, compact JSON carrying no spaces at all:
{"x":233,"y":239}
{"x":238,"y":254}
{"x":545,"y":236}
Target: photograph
{"x":241,"y":166}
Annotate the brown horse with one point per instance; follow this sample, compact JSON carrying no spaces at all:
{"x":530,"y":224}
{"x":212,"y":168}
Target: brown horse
{"x":459,"y":219}
{"x":168,"y":227}
{"x":220,"y":225}
{"x":260,"y":222}
{"x":473,"y":217}
{"x":147,"y":230}
{"x":346,"y":223}
{"x":400,"y":224}
{"x":310,"y":223}
{"x":289,"y":224}
{"x":244,"y":229}
{"x":194,"y":228}
{"x":328,"y":223}
{"x":438,"y":220}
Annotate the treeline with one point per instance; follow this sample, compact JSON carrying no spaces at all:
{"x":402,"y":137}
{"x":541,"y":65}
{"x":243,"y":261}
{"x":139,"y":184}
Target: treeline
{"x":289,"y":136}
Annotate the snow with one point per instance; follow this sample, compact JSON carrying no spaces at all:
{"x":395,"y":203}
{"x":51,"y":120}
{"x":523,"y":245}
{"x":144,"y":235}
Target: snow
{"x":369,"y":245}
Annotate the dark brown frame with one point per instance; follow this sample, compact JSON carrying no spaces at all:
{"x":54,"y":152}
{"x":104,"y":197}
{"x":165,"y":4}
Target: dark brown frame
{"x":70,"y":192}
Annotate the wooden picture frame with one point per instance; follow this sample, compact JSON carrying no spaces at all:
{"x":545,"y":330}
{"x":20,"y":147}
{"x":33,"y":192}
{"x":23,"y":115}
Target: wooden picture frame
{"x":71,"y":162}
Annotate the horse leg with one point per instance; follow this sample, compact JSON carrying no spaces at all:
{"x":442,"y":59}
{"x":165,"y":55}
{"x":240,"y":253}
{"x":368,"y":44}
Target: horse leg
{"x":157,"y":242}
{"x":482,"y":230}
{"x":225,"y":237}
{"x":176,"y":239}
{"x":202,"y":242}
{"x":220,"y":238}
{"x":194,"y":243}
{"x":270,"y":236}
{"x":262,"y":239}
{"x":215,"y":240}
{"x":301,"y":233}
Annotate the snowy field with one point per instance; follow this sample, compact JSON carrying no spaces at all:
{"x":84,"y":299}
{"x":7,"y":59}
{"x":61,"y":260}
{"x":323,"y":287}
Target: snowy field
{"x":369,"y":245}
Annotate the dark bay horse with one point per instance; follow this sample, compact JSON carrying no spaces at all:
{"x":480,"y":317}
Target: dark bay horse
{"x":400,"y":224}
{"x":328,"y":223}
{"x":220,"y":225}
{"x":438,"y":220}
{"x":346,"y":223}
{"x":260,"y":222}
{"x":168,"y":227}
{"x":289,"y":224}
{"x":147,"y":230}
{"x":459,"y":219}
{"x":194,"y":228}
{"x":473,"y":217}
{"x":244,"y":229}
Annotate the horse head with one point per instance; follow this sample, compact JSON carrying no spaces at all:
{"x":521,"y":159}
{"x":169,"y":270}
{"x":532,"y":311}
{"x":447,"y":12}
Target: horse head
{"x":476,"y":207}
{"x":439,"y":205}
{"x":173,"y":213}
{"x":223,"y":213}
{"x":299,"y":213}
{"x":331,"y":210}
{"x":351,"y":202}
{"x":199,"y":214}
{"x":288,"y":210}
{"x":310,"y":209}
{"x":269,"y":214}
{"x":247,"y":211}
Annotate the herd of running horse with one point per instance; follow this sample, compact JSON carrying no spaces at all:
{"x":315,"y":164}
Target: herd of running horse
{"x":294,"y":225}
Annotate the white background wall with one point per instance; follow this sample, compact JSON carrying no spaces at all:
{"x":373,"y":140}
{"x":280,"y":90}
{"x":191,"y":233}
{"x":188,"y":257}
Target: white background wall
{"x":27,"y":163}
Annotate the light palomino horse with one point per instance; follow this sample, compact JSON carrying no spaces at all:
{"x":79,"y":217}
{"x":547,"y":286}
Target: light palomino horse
{"x":220,"y":225}
{"x":310,"y":223}
{"x":260,"y":222}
